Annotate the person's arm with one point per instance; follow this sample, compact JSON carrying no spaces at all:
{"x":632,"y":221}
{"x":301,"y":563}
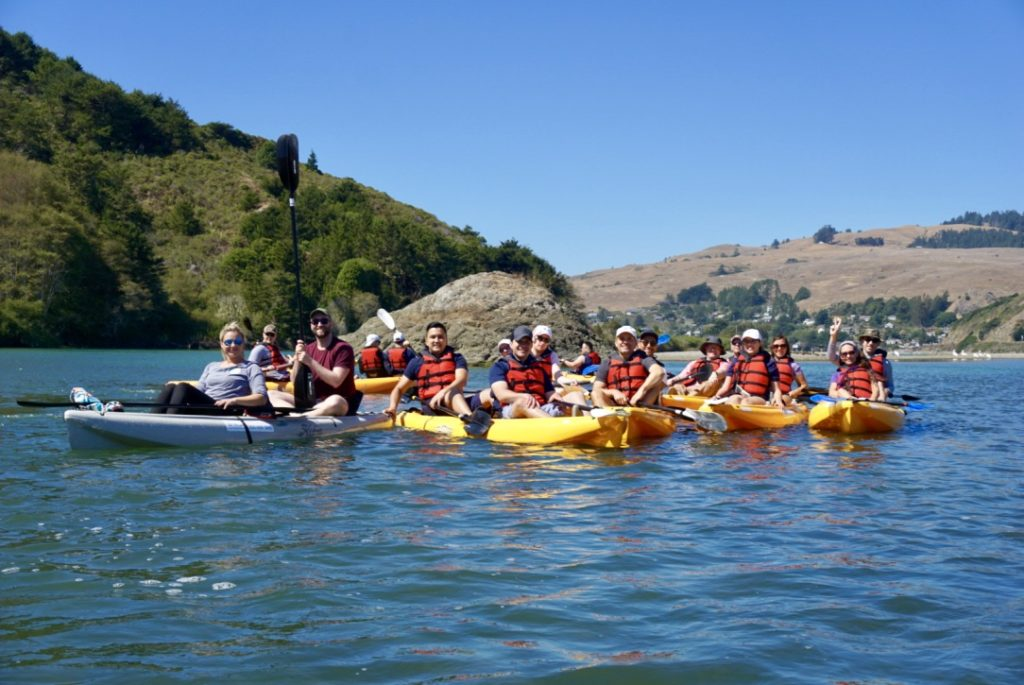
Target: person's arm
{"x":833,"y":336}
{"x":801,"y":384}
{"x":445,"y":394}
{"x":655,"y":378}
{"x":396,"y":395}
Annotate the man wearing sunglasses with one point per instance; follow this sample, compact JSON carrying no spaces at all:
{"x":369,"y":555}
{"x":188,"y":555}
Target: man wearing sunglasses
{"x":331,"y":360}
{"x":268,"y":355}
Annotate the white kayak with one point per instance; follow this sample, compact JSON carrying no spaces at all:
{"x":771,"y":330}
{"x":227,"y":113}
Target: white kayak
{"x":91,"y":430}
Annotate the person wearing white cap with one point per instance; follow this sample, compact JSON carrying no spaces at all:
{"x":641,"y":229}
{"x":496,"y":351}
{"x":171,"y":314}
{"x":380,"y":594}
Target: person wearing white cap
{"x":522,"y":383}
{"x":372,"y":363}
{"x":754,"y":377}
{"x":399,"y":356}
{"x":543,"y":351}
{"x":628,"y":376}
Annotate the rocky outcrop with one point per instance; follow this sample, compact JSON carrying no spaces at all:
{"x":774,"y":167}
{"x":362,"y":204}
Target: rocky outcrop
{"x":480,"y":310}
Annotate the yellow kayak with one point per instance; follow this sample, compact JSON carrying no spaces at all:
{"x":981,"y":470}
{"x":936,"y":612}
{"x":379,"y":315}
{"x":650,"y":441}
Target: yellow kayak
{"x":368,"y":386}
{"x":742,"y":416}
{"x":856,"y":416}
{"x":578,"y":378}
{"x":622,"y":427}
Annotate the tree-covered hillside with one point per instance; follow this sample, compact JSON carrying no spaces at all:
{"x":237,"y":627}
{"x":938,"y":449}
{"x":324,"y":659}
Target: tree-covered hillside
{"x":1004,"y":229}
{"x":125,"y":223}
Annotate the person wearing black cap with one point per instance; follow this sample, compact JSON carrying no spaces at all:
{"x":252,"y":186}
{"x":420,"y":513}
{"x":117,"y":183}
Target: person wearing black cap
{"x":648,"y":343}
{"x":268,"y":355}
{"x":331,"y":360}
{"x":522,"y":383}
{"x":711,"y":363}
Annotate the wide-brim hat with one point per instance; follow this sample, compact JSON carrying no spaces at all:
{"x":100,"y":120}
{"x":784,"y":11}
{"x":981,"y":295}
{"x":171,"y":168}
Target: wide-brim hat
{"x":711,"y":340}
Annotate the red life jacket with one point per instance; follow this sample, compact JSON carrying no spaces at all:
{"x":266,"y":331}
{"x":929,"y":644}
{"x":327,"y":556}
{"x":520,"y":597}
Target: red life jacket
{"x":752,"y":375}
{"x":715,"y":365}
{"x":371,"y":360}
{"x":545,"y":359}
{"x":396,"y":355}
{"x":277,"y":359}
{"x":627,"y":375}
{"x":878,"y":364}
{"x":856,"y":380}
{"x":530,"y":377}
{"x":786,"y":374}
{"x":435,"y":373}
{"x":592,"y":359}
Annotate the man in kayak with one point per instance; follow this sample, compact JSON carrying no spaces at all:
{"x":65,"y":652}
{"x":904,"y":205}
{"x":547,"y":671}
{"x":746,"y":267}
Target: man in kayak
{"x":628,"y":376}
{"x":331,"y":360}
{"x":522,"y":383}
{"x":372,"y":363}
{"x":439,"y":373}
{"x":753,"y":378}
{"x":687,"y":382}
{"x":268,"y":355}
{"x":399,"y":355}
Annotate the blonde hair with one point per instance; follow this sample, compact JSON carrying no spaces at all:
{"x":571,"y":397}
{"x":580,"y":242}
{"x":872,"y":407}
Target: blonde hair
{"x":229,"y":327}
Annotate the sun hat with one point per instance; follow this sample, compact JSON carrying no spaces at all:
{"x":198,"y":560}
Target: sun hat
{"x":520,"y":332}
{"x":711,"y":340}
{"x":371,"y":339}
{"x":871,"y":334}
{"x":270,"y":328}
{"x":752,"y":334}
{"x":625,"y":329}
{"x":542,"y":330}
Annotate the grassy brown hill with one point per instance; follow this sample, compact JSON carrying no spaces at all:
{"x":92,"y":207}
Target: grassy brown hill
{"x":841,"y":271}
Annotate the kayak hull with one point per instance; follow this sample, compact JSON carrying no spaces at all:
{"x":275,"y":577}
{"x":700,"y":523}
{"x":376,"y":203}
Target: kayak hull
{"x":605,"y":428}
{"x":90,"y":430}
{"x":848,"y":416}
{"x":742,"y":416}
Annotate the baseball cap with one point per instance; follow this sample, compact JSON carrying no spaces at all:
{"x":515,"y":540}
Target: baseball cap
{"x":520,"y":332}
{"x":319,"y":310}
{"x":735,"y":339}
{"x":625,"y":329}
{"x":711,"y":340}
{"x":270,"y":328}
{"x":371,"y":339}
{"x":871,"y":334}
{"x":542,"y":330}
{"x":752,"y":334}
{"x":648,"y":331}
{"x":399,"y":336}
{"x":503,"y":342}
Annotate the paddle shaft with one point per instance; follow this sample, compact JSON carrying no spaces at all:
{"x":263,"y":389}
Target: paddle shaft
{"x":149,"y":405}
{"x":812,"y":390}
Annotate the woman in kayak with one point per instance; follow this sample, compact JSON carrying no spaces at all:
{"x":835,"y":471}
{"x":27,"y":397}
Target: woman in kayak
{"x":855,"y":378}
{"x":230,"y":386}
{"x":792,"y":381}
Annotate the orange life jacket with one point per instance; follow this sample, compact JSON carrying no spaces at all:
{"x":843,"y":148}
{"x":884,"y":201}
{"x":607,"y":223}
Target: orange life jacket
{"x":878,"y":364}
{"x":371,"y":360}
{"x":277,"y":359}
{"x":752,"y":375}
{"x":396,"y":355}
{"x":856,"y":380}
{"x":786,"y":374}
{"x":435,"y":373}
{"x":627,"y":375}
{"x":715,"y":365}
{"x":592,"y":359}
{"x":545,"y":359}
{"x":531,"y":376}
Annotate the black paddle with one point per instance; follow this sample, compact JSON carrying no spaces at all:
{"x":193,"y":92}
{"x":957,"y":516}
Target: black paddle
{"x":824,"y":391}
{"x":288,"y":170}
{"x":476,"y":424}
{"x":700,"y":375}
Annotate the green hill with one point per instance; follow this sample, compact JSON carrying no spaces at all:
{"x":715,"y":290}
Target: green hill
{"x":125,"y":223}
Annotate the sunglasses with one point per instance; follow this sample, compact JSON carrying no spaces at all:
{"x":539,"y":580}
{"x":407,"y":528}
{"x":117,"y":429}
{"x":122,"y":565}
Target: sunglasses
{"x":849,"y":353}
{"x":779,"y":346}
{"x":237,"y":342}
{"x":543,"y":338}
{"x":320,"y":321}
{"x":750,"y":340}
{"x":873,"y":340}
{"x":648,"y":341}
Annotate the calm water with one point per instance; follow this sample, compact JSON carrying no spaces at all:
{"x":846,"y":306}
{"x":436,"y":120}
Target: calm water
{"x":397,"y":557}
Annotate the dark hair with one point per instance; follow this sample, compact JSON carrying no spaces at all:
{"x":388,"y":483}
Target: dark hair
{"x":437,"y":324}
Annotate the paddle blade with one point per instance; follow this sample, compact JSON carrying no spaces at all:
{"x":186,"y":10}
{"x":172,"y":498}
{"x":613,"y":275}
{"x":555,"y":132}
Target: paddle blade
{"x":478,"y":423}
{"x":288,"y":161}
{"x":386,"y":319}
{"x":305,"y":392}
{"x":707,"y":420}
{"x":664,"y":338}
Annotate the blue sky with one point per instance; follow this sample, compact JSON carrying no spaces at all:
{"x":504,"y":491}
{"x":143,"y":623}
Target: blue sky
{"x":600,"y":133}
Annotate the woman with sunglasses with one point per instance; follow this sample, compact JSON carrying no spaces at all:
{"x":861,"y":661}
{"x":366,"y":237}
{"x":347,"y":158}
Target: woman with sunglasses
{"x":855,"y":378}
{"x":792,"y":381}
{"x":230,"y":386}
